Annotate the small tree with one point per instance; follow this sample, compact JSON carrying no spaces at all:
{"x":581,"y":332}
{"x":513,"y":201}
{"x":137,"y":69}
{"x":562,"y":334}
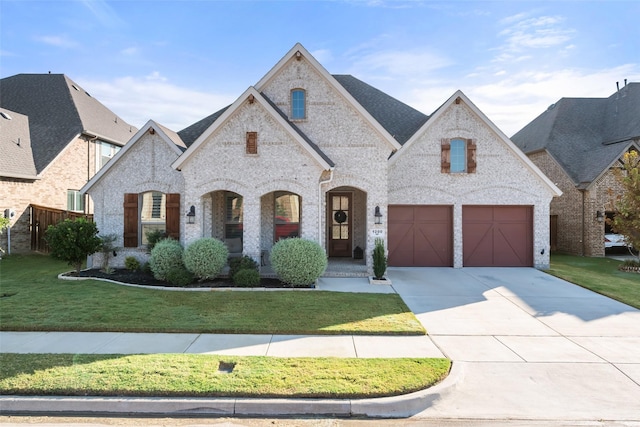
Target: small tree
{"x":379,"y":260}
{"x":627,"y":219}
{"x":107,"y":248}
{"x":4,"y":223}
{"x":73,"y":241}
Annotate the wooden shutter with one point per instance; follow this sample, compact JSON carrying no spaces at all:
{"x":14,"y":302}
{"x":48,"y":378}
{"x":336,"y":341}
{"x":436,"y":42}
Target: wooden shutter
{"x":445,"y":156}
{"x":471,"y":156}
{"x":173,"y":215}
{"x":252,"y":142}
{"x":130,"y":220}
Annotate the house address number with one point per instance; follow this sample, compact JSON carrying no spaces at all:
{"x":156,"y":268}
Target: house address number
{"x":377,"y":232}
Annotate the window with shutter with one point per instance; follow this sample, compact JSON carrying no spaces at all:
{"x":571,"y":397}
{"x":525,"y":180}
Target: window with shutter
{"x":252,"y":142}
{"x":458,"y":155}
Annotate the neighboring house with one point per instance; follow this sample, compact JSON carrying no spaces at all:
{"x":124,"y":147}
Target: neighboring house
{"x":577,"y":143}
{"x":53,"y":138}
{"x":332,"y":159}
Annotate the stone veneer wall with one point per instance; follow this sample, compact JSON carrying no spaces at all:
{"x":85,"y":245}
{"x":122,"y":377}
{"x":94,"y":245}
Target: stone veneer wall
{"x":69,"y":171}
{"x":577,"y":207}
{"x":500,"y":179}
{"x":146,"y":166}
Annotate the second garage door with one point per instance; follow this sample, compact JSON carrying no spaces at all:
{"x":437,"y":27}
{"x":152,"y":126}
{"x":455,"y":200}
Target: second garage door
{"x":497,"y":236}
{"x":420,"y":236}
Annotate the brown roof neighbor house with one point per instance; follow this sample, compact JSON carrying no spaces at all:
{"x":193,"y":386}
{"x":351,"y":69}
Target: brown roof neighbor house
{"x":54,"y":136}
{"x":577,"y":143}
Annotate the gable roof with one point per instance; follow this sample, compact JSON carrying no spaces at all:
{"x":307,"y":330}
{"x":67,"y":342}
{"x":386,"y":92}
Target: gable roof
{"x":399,"y":119}
{"x":59,"y":110}
{"x":167,"y":135}
{"x":299,"y":51}
{"x":457,"y":97}
{"x":251,"y":93}
{"x":193,"y":132}
{"x":16,"y":160}
{"x":586,"y":135}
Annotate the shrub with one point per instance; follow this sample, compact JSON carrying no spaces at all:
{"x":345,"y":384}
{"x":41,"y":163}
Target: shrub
{"x":107,"y":248}
{"x":379,"y":259}
{"x":247,"y":277}
{"x":153,"y":237}
{"x":179,"y":276}
{"x":241,"y":263}
{"x":298,"y":261}
{"x":73,"y":241}
{"x":206,"y":257}
{"x":166,"y":255}
{"x":131,"y":263}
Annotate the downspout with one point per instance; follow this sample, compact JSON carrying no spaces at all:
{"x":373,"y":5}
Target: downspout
{"x":85,"y":196}
{"x":320,"y":213}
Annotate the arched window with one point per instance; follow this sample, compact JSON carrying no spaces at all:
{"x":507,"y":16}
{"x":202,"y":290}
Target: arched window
{"x":153,"y":214}
{"x":298,"y":104}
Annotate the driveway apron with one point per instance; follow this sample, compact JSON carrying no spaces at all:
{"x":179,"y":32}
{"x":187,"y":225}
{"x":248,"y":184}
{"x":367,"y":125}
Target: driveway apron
{"x":529,"y":345}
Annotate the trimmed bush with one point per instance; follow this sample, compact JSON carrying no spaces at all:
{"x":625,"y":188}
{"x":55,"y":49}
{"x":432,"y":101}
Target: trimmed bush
{"x":179,"y":276}
{"x":153,"y":237}
{"x":206,"y":257}
{"x":166,"y":255}
{"x":131,"y":263}
{"x":379,"y":259}
{"x":298,"y":262}
{"x":247,"y":277}
{"x":242,"y":263}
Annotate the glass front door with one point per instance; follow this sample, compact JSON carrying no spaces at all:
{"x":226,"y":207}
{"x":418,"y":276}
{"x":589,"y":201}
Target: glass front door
{"x":340,"y":224}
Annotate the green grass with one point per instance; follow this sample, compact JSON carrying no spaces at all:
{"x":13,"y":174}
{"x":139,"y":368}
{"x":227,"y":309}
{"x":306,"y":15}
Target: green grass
{"x":33,"y":299}
{"x":199,"y":375}
{"x":599,"y":275}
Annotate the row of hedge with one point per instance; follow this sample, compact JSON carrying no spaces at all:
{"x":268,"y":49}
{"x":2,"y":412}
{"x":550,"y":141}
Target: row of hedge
{"x":296,"y":262}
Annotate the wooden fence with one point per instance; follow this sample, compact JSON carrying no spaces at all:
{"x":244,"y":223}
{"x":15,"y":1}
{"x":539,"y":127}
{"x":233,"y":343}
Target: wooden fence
{"x":42,"y":217}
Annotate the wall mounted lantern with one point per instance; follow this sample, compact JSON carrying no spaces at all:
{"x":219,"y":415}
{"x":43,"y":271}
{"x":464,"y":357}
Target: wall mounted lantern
{"x":378,"y":215}
{"x":599,"y":216}
{"x":191,"y":215}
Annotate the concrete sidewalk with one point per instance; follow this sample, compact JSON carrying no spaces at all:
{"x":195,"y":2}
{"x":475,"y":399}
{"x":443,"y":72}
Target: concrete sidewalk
{"x":525,"y":345}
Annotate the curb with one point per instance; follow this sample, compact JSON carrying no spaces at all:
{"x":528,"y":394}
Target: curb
{"x":384,"y":407}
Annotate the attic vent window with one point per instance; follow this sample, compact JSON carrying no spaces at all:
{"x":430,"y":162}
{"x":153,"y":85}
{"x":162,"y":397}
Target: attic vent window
{"x":5,"y":115}
{"x":252,"y":143}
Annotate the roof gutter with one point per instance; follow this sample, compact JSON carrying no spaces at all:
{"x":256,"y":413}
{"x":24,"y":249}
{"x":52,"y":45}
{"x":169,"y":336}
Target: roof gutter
{"x":95,"y":135}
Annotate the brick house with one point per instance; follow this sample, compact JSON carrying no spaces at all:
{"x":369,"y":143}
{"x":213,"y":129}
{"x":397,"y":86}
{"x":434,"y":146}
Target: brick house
{"x":53,"y":138}
{"x":577,"y":143}
{"x":331,"y":159}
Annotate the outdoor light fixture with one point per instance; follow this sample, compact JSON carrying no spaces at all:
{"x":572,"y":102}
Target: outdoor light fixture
{"x":599,"y":216}
{"x":378,"y":215}
{"x":191,"y":215}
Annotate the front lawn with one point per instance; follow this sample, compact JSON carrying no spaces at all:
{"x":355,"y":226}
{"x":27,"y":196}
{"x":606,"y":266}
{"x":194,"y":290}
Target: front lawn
{"x":32,"y":298}
{"x":599,"y":275}
{"x":202,"y":376}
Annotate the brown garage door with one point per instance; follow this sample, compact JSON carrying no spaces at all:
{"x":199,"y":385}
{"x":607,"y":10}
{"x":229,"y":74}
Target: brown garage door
{"x":497,"y":236}
{"x":420,"y":236}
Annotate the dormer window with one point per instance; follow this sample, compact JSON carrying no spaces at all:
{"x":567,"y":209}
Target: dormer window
{"x":298,"y":104}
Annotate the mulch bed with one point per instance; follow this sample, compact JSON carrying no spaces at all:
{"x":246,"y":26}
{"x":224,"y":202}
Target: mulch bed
{"x":141,"y":278}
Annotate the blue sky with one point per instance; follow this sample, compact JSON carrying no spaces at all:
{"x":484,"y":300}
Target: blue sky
{"x":179,"y":61}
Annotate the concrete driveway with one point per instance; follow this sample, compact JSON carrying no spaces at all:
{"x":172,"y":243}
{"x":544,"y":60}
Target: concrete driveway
{"x":528,"y":345}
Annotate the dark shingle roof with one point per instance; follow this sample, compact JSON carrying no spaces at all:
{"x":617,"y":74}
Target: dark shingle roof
{"x":397,"y":118}
{"x":585,"y":135}
{"x":58,"y":110}
{"x":193,"y":132}
{"x":16,"y":160}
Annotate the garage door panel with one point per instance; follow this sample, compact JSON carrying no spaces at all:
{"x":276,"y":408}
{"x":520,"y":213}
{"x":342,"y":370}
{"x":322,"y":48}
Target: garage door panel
{"x":420,"y":236}
{"x":497,"y":236}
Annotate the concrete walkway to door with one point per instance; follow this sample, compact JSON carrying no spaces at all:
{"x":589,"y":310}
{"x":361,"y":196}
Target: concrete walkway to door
{"x":529,"y":345}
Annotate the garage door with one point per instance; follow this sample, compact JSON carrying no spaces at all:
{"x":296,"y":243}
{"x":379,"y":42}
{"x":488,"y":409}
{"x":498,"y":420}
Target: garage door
{"x":420,"y":236}
{"x":497,"y":236}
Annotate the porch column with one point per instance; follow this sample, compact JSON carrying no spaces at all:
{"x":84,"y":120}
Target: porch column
{"x":251,"y":228}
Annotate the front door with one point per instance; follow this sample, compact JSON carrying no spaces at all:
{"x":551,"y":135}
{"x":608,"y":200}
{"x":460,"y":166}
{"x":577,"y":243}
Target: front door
{"x":340,"y":209}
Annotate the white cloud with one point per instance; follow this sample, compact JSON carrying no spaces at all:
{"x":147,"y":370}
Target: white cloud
{"x":139,"y":99}
{"x":512,"y":101}
{"x":398,"y":64}
{"x":130,"y":51}
{"x":323,"y":56}
{"x":61,"y":41}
